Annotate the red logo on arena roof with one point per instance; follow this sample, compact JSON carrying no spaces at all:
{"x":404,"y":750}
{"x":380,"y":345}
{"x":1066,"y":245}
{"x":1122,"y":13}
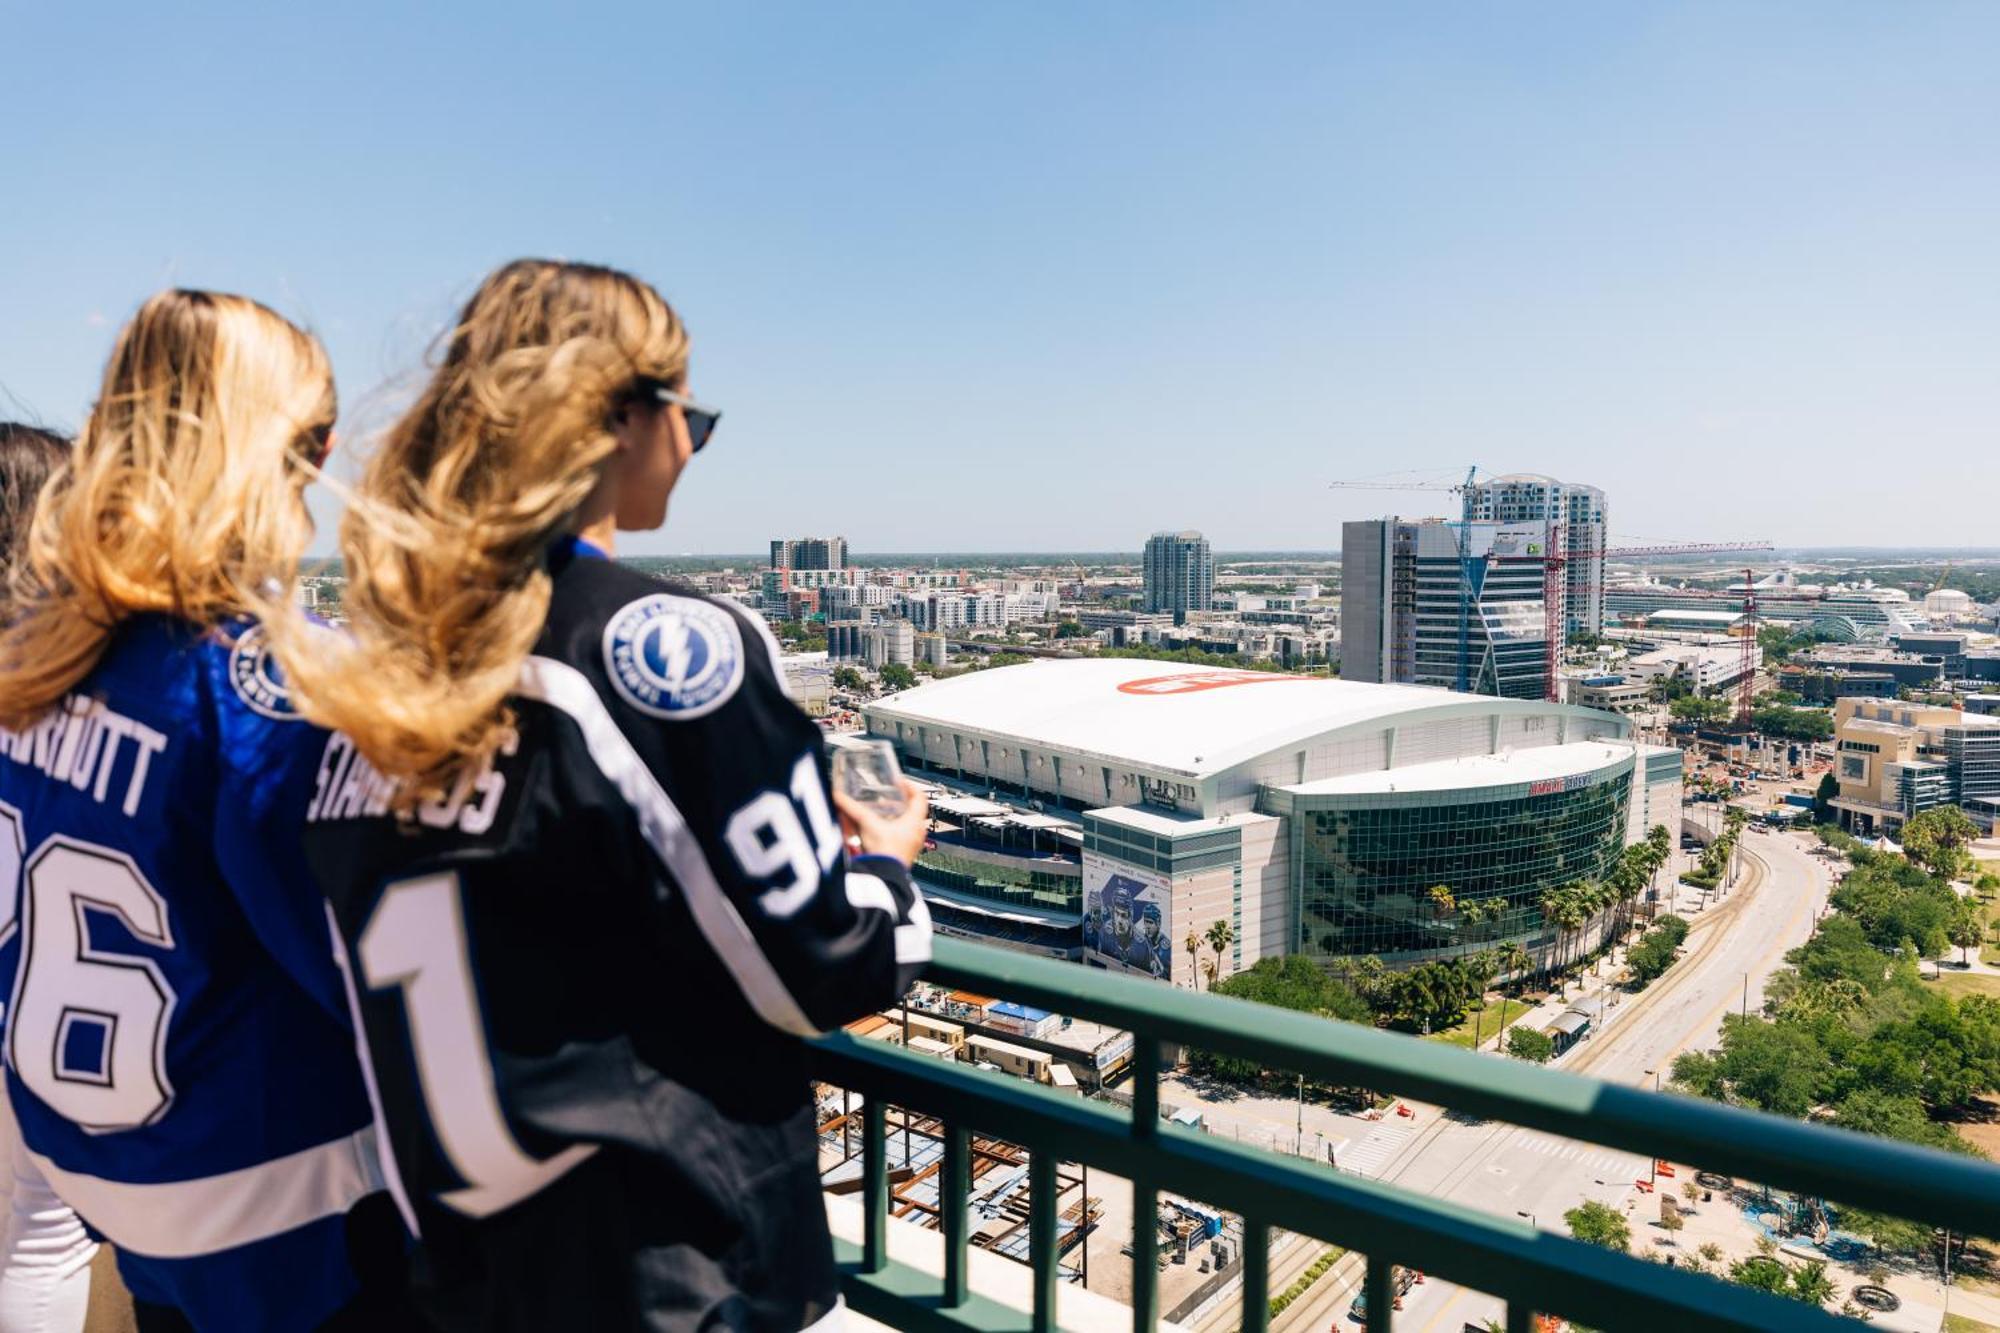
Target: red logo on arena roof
{"x":1193,"y":682}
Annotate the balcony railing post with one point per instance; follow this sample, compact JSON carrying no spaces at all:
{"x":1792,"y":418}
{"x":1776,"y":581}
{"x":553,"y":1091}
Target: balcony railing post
{"x":1145,"y":1197}
{"x":1381,"y":1289}
{"x":875,"y":1186}
{"x":1256,"y":1276}
{"x":1042,"y":1237}
{"x":957,"y":1184}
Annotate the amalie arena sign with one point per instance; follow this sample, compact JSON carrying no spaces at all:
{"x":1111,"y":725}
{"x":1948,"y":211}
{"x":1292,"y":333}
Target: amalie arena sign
{"x":1193,"y":682}
{"x":1550,"y":786}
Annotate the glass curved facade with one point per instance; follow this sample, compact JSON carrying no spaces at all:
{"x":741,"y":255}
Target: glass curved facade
{"x":1363,"y":865}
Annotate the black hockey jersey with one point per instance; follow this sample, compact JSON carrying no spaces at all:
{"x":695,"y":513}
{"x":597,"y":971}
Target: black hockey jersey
{"x":581,"y":978}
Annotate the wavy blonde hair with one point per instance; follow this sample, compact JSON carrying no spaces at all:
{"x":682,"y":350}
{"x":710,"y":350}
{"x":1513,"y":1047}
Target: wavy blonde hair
{"x":185,"y":486}
{"x":446,"y":538}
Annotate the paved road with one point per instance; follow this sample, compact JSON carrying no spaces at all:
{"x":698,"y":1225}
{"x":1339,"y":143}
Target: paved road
{"x":1504,"y":1169}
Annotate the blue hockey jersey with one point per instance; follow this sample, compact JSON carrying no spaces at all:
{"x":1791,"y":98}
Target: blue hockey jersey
{"x":177,"y":1041}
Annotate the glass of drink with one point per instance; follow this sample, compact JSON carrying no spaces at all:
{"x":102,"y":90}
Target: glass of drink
{"x":867,"y":772}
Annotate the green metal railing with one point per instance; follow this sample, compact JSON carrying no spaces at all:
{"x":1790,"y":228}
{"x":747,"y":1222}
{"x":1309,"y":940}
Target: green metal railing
{"x":1532,"y":1270}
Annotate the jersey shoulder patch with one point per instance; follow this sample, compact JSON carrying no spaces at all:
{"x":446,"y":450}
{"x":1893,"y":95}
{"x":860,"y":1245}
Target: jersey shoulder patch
{"x":253,"y":674}
{"x":673,"y":656}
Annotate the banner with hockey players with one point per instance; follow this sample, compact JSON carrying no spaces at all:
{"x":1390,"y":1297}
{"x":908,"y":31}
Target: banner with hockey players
{"x":1127,"y":918}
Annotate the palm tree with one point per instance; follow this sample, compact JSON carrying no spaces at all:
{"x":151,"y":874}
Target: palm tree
{"x":1442,"y":901}
{"x":1551,"y":903}
{"x":1368,"y":976}
{"x":1193,"y":945}
{"x":1473,"y":913}
{"x":1575,"y":905}
{"x":1220,"y":936}
{"x":1660,"y":845}
{"x":1512,"y":959}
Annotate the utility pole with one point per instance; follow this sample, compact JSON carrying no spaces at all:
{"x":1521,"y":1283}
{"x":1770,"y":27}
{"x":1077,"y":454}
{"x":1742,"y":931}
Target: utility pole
{"x":1299,"y":1142}
{"x":1653,"y":1174}
{"x":1746,"y":995}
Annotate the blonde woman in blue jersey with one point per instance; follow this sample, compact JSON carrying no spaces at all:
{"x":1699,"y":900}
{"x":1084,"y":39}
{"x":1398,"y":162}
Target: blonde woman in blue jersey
{"x":177,"y":1048}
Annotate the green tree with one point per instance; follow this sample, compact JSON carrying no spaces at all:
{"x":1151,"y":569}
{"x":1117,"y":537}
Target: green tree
{"x":1293,"y":982}
{"x":1967,"y":928}
{"x":1070,"y":629}
{"x":1811,"y":1284}
{"x":896,"y":676}
{"x":1774,"y":1067}
{"x":847,"y":678}
{"x":1526,"y":1043}
{"x":1761,"y":1273}
{"x":1193,"y":946}
{"x":1695,"y":708}
{"x":1937,"y":838}
{"x":1798,"y":724}
{"x":1595,"y":1223}
{"x":1656,"y":952}
{"x":1822,"y":808}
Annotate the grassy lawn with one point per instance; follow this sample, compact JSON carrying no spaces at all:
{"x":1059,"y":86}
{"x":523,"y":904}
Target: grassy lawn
{"x":1489,"y":1023}
{"x":1959,"y":984}
{"x":1958,"y":1323}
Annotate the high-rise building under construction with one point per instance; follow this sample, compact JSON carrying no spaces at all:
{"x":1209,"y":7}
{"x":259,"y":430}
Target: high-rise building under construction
{"x":1579,"y":513}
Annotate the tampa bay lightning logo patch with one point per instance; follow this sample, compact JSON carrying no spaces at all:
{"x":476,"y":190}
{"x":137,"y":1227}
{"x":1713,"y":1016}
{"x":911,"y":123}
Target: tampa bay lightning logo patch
{"x":674,"y":657}
{"x":254,"y":676}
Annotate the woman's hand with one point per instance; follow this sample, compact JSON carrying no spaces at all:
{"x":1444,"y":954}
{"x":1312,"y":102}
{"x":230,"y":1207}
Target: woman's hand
{"x":870,"y":831}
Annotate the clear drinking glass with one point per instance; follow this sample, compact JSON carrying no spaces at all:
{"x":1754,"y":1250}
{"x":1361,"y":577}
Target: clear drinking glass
{"x":868,"y":772}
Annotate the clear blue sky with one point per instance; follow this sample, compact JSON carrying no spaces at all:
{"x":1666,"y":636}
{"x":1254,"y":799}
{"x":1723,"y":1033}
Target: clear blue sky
{"x":1051,"y":277}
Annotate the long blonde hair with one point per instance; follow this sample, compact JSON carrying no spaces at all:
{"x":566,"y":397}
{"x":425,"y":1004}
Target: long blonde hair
{"x":185,"y":486}
{"x":445,"y":539}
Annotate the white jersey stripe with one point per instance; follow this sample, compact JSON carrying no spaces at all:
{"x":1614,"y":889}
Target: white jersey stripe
{"x":666,"y":831}
{"x":385,"y":1160}
{"x":186,"y":1219}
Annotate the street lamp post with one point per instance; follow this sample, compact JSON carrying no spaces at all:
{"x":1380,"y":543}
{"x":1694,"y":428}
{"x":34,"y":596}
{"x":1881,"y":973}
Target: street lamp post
{"x":1653,"y":1172}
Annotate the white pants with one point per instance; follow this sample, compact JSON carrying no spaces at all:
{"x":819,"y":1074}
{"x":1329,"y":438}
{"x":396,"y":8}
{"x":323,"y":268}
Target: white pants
{"x":45,"y":1253}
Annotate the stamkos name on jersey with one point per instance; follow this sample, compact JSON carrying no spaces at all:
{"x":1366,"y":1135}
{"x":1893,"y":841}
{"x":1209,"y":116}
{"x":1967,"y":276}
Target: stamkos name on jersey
{"x":349,"y":787}
{"x":80,"y":742}
{"x":674,"y":657}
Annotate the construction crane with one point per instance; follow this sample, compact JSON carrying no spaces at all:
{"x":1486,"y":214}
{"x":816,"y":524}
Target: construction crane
{"x":1683,"y":548}
{"x":1417,"y":480}
{"x":1669,"y":548}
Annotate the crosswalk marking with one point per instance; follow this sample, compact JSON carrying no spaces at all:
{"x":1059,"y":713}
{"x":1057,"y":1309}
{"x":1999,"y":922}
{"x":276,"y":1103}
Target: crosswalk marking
{"x":1375,"y":1151}
{"x":1612,"y":1165}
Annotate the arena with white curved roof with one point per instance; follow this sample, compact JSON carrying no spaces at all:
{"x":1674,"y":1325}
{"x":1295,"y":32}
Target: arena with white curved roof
{"x":1103,"y":808}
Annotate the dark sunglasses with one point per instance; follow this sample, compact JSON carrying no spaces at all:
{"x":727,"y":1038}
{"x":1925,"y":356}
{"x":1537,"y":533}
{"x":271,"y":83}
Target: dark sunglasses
{"x":701,"y":420}
{"x":319,"y":442}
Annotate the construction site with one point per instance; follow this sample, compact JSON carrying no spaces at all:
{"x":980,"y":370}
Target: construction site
{"x":1198,"y":1247}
